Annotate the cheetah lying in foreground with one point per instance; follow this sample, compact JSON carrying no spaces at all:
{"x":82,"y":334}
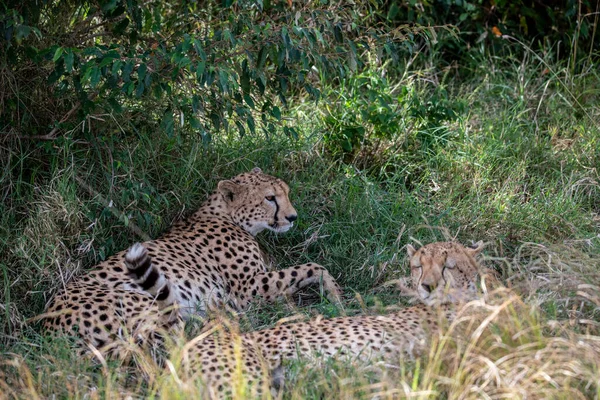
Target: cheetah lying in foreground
{"x":210,"y":259}
{"x":442,"y":273}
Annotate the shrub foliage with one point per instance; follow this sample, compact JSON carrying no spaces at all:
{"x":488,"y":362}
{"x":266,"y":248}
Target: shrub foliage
{"x":205,"y":66}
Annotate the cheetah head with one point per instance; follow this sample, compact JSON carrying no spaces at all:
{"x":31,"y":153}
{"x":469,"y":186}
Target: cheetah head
{"x":438,"y":268}
{"x":257,"y":201}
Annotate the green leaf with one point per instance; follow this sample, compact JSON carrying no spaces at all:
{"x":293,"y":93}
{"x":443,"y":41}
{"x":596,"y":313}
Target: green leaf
{"x":261,"y":84}
{"x":241,"y":110}
{"x":283,"y":85}
{"x":249,"y":101}
{"x":142,"y":71}
{"x":95,"y":76}
{"x":287,"y":42}
{"x":195,"y":123}
{"x":185,"y":46}
{"x":352,"y":63}
{"x":22,"y":32}
{"x":31,"y":52}
{"x":206,"y":137}
{"x":346,"y":145}
{"x":121,"y":26}
{"x":216,"y":121}
{"x":393,"y":11}
{"x":57,"y":54}
{"x":227,"y":35}
{"x":337,"y":34}
{"x":290,"y":132}
{"x":251,"y":124}
{"x":195,"y":103}
{"x":130,"y":88}
{"x":245,"y":81}
{"x":199,"y":50}
{"x":318,"y":35}
{"x":115,"y":105}
{"x":240,"y":128}
{"x":126,"y":72}
{"x":184,"y":62}
{"x":262,"y":58}
{"x":127,"y":88}
{"x":107,"y":60}
{"x":85,"y":70}
{"x":224,"y":80}
{"x":157,"y":91}
{"x":210,"y":76}
{"x":116,"y":67}
{"x":167,"y":122}
{"x":200,"y":71}
{"x":53,"y":77}
{"x":109,"y":6}
{"x":584,"y":29}
{"x":139,"y":90}
{"x":294,"y":133}
{"x":276,"y":113}
{"x":69,"y":61}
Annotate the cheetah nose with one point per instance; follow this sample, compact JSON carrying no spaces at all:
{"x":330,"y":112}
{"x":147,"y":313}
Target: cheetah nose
{"x":292,"y":217}
{"x":429,"y":288}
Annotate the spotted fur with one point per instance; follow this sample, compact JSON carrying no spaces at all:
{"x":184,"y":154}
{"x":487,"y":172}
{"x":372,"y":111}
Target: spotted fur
{"x":209,"y":260}
{"x":213,"y":358}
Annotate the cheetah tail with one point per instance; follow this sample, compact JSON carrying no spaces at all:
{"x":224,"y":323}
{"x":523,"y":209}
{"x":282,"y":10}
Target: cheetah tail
{"x":141,"y":270}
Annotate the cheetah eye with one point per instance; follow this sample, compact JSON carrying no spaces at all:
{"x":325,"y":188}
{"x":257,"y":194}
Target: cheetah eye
{"x":270,"y":198}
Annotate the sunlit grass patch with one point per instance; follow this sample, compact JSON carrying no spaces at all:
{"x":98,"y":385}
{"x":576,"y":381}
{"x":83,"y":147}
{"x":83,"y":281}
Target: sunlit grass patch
{"x":497,"y":347}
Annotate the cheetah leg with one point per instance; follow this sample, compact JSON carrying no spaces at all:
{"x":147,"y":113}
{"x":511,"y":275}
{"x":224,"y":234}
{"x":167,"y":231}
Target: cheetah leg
{"x":288,"y":281}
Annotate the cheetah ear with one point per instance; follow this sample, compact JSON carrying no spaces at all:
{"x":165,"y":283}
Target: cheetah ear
{"x":410,"y":250}
{"x":256,"y":170}
{"x":476,"y":248}
{"x":229,"y":190}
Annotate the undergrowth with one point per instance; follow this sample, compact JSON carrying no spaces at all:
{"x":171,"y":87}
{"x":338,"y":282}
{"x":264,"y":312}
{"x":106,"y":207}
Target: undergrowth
{"x":507,"y":153}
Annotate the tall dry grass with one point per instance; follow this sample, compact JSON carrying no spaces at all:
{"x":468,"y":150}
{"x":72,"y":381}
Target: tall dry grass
{"x":498,"y":347}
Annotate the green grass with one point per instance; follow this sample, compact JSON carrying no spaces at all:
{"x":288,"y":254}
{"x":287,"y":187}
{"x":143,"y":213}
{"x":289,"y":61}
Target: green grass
{"x":516,"y":166}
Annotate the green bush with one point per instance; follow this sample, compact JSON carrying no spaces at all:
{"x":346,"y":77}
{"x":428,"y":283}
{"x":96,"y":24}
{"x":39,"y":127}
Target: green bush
{"x":363,"y":108}
{"x":367,"y":114}
{"x":542,"y":24}
{"x":234,"y":66}
{"x":188,"y":67}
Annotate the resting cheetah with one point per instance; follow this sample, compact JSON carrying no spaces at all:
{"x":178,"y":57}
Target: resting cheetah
{"x":210,"y":259}
{"x":439,"y":272}
{"x":429,"y":266}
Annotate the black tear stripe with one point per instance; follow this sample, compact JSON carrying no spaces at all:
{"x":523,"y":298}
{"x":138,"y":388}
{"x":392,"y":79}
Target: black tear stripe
{"x":443,"y":275}
{"x":140,"y":270}
{"x":276,"y":210}
{"x":163,"y":293}
{"x":150,"y":280}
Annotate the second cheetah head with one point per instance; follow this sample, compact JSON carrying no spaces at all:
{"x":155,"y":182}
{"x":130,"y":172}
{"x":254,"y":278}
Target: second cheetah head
{"x":440,"y":267}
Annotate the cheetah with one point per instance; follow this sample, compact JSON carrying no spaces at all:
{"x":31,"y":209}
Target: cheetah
{"x":442,"y":274}
{"x":437,"y":265}
{"x":212,"y":259}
